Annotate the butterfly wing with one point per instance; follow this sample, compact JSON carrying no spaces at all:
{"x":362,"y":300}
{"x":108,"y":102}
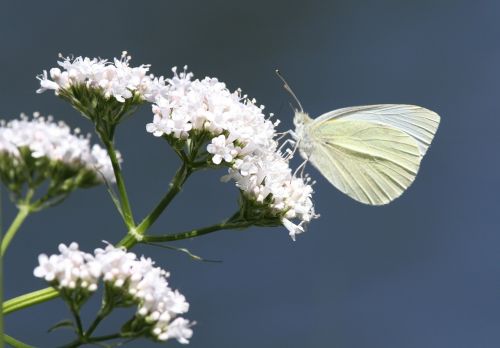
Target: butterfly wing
{"x":371,"y":162}
{"x":418,"y":122}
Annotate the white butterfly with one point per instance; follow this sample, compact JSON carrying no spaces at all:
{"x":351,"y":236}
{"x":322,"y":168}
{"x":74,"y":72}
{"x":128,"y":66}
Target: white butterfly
{"x":371,"y":153}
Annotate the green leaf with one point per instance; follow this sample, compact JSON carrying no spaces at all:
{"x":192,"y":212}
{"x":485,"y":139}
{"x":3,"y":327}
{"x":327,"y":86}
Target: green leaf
{"x":114,"y":198}
{"x":183,"y":250}
{"x":63,"y":324}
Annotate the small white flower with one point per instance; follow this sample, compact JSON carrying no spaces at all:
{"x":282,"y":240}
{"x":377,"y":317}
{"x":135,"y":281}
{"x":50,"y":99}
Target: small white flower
{"x":158,"y":127}
{"x":292,"y":228}
{"x":179,"y":125}
{"x":180,"y":329}
{"x":177,"y":302}
{"x":157,"y":89}
{"x":47,"y":268}
{"x":46,"y":83}
{"x":222,"y":150}
{"x":116,"y":264}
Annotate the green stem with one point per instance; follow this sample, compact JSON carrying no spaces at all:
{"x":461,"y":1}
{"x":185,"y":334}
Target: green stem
{"x":198,"y":232}
{"x":15,"y":343}
{"x":103,"y":313}
{"x":76,"y":316}
{"x":120,"y":182}
{"x":2,"y":329}
{"x":29,"y":299}
{"x":22,"y":214}
{"x":74,"y":344}
{"x":79,"y":342}
{"x":175,"y":187}
{"x":105,"y":337}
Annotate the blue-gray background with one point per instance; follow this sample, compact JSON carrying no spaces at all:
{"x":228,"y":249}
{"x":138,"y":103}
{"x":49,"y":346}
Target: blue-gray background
{"x":421,"y":272}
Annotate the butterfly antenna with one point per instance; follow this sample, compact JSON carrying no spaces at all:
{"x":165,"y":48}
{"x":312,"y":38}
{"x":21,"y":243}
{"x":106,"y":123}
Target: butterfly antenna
{"x":289,"y":89}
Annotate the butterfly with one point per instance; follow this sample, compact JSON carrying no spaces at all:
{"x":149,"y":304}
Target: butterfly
{"x":371,"y":153}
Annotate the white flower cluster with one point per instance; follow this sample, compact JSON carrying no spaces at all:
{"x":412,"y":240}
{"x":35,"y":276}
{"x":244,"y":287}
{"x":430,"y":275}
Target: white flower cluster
{"x":55,"y":141}
{"x":158,"y":304}
{"x":242,"y":138}
{"x":116,"y":79}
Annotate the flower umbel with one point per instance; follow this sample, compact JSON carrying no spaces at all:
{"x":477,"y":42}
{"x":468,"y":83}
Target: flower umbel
{"x":129,"y":281}
{"x":115,"y":79}
{"x":239,"y":136}
{"x":103,"y":91}
{"x":36,"y":150}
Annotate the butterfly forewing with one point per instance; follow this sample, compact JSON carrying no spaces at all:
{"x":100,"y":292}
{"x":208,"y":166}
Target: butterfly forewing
{"x":418,"y":122}
{"x":371,"y":162}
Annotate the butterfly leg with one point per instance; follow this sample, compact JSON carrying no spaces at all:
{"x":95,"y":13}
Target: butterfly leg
{"x":301,"y":168}
{"x":286,"y":142}
{"x":281,"y":135}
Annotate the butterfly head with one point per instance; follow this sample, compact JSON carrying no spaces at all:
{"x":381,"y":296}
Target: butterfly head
{"x":300,"y":120}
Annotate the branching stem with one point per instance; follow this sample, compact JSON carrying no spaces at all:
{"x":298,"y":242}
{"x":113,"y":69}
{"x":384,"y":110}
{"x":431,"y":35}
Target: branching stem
{"x":24,"y":209}
{"x":120,"y":183}
{"x":198,"y":232}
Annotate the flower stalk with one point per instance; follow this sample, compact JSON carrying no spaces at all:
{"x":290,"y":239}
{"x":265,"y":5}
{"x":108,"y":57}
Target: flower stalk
{"x":29,"y":299}
{"x":15,"y":343}
{"x":24,"y":209}
{"x":225,"y":225}
{"x":22,"y":214}
{"x":120,"y":182}
{"x":175,"y":187}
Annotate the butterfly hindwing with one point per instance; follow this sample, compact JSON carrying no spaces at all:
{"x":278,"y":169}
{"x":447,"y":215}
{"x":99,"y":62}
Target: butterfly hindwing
{"x":371,"y":162}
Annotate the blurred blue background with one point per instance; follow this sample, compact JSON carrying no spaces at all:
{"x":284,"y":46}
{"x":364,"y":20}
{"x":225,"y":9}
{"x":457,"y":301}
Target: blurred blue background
{"x":423,"y":271}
